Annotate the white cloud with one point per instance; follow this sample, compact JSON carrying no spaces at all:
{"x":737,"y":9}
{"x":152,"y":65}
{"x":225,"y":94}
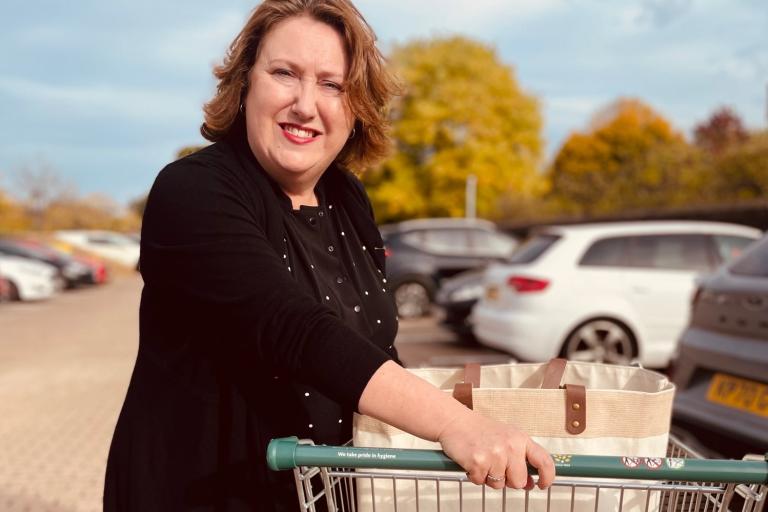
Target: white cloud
{"x":574,"y":106}
{"x":403,"y":19}
{"x":134,"y":104}
{"x":663,"y":12}
{"x":191,"y":47}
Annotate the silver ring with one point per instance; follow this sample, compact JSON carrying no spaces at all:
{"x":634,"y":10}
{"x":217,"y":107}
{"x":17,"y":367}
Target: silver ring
{"x":495,"y":478}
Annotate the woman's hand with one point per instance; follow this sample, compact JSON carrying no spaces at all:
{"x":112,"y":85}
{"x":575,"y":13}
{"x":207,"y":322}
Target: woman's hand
{"x":495,"y":454}
{"x":490,"y":452}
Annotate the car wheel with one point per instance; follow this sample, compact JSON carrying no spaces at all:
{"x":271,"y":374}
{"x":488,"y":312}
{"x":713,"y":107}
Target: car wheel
{"x":412,"y":299}
{"x":600,"y":341}
{"x":13,"y":292}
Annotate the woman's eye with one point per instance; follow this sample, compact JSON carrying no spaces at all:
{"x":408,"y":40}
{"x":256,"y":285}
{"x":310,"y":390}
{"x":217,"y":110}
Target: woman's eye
{"x":332,"y":86}
{"x":283,"y":73}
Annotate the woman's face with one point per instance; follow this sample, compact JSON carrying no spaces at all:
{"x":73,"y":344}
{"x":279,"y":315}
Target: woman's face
{"x":297,"y":116}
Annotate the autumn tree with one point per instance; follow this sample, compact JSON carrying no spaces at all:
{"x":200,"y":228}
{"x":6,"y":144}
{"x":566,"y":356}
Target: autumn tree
{"x":723,"y":129}
{"x":188,"y":150}
{"x":138,"y":205}
{"x":462,"y":112}
{"x":629,"y":157}
{"x":741,"y":172}
{"x":38,"y":186}
{"x":94,"y":211}
{"x":12,"y":216}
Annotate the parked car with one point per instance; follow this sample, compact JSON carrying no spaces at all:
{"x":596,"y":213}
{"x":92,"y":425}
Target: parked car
{"x":106,"y":244}
{"x":721,"y":371}
{"x":28,"y":279}
{"x":98,"y":270}
{"x":612,"y":293}
{"x":457,"y":296}
{"x":70,"y":272}
{"x":421,"y":253}
{"x":99,"y":273}
{"x":5,"y":288}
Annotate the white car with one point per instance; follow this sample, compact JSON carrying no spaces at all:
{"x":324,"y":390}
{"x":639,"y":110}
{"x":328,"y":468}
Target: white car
{"x":106,"y":244}
{"x":611,"y":292}
{"x":29,"y":279}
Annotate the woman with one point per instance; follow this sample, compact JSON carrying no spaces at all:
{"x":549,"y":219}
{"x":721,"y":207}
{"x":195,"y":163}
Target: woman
{"x":265,"y":310}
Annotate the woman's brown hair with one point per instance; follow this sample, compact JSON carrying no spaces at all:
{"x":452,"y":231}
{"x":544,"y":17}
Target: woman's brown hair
{"x":369,"y":85}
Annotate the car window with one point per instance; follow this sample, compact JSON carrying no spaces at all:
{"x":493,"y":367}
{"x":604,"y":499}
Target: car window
{"x":96,"y":240}
{"x":730,"y":247}
{"x":671,"y":252}
{"x":754,"y":262}
{"x":608,"y":252}
{"x":488,"y":243}
{"x":439,"y":241}
{"x":533,"y":248}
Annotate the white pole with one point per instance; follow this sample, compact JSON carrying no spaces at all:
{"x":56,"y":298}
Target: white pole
{"x":470,"y":198}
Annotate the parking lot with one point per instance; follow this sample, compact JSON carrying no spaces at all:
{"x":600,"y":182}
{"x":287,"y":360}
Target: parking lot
{"x":64,"y":369}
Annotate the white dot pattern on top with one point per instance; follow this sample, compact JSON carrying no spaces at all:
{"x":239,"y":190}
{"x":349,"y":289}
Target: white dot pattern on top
{"x":328,"y":259}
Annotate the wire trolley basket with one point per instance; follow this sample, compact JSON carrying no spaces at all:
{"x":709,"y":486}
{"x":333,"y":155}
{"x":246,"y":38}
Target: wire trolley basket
{"x":346,"y":478}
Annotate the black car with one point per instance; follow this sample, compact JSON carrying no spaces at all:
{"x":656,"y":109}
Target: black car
{"x":422,"y":253}
{"x":70,"y":271}
{"x":722,"y":366}
{"x":456,"y":297}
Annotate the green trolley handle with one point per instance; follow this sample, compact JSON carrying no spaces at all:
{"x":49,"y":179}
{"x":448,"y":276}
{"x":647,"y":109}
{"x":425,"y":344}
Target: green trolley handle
{"x":288,"y":453}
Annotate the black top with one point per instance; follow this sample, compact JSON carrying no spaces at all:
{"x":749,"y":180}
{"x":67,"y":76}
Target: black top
{"x":256,"y":321}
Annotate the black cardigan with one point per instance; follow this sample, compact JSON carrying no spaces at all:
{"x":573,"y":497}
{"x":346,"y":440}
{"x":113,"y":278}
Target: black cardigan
{"x":224,"y":331}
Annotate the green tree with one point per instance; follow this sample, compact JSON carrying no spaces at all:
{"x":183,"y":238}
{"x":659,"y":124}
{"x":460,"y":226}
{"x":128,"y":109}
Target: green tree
{"x":462,"y":113}
{"x":630,"y":157}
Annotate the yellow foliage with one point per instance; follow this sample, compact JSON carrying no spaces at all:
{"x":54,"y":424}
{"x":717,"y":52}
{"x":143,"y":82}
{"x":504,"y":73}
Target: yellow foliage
{"x":631,"y":157}
{"x":741,"y":173}
{"x":91,"y":212}
{"x":462,"y":114}
{"x":188,"y":150}
{"x":12,"y":216}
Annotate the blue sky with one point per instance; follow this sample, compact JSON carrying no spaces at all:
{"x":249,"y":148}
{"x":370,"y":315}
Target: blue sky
{"x":106,"y":92}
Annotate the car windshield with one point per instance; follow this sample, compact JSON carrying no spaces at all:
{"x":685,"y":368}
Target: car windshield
{"x":533,"y":248}
{"x":754,"y":262}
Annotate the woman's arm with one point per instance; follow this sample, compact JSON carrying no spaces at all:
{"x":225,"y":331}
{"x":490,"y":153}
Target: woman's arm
{"x":478,"y":444}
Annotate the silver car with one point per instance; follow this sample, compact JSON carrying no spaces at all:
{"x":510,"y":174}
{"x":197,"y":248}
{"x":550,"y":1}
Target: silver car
{"x":722,"y":366}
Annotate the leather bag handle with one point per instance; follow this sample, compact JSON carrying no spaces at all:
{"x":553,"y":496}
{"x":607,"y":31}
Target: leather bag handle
{"x":462,"y":391}
{"x":553,"y":373}
{"x":575,"y":396}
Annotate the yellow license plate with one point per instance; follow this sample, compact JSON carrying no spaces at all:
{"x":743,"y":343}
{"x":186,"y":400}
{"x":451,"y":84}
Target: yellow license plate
{"x":745,"y":395}
{"x":492,"y":293}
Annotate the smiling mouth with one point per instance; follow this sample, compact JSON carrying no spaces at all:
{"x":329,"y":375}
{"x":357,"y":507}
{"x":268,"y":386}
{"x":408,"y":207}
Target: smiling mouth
{"x":298,"y":131}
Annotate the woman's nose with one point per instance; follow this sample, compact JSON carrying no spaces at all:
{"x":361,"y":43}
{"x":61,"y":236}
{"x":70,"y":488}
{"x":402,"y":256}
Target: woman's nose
{"x":305,"y":102}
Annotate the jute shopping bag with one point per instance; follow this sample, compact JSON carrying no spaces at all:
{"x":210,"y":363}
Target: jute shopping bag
{"x":569,"y":408}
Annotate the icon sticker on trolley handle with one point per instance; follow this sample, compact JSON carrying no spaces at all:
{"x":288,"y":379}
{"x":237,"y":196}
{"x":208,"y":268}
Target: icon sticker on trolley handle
{"x":675,"y":463}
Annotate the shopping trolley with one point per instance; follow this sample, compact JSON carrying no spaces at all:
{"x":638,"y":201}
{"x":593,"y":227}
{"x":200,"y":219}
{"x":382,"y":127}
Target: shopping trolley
{"x":356,"y":479}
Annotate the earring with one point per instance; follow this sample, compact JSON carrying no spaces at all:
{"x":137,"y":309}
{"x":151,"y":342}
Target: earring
{"x":242,"y":109}
{"x":352,"y":135}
